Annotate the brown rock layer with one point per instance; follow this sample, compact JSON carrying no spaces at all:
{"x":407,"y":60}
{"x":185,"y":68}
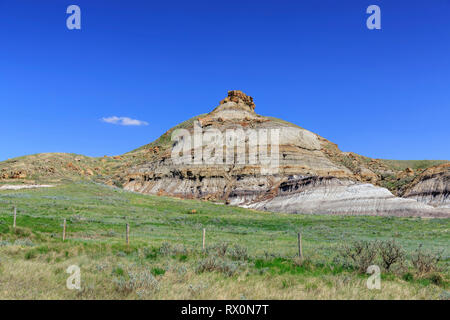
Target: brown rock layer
{"x":432,"y":187}
{"x":312,"y":175}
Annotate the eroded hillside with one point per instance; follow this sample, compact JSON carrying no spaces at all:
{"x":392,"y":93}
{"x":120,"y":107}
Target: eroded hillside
{"x":312,"y":175}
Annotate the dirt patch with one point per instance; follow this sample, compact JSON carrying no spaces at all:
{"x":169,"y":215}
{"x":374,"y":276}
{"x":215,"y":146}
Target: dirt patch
{"x":24,"y":186}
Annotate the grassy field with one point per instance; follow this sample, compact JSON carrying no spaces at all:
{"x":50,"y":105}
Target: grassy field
{"x":250,"y":254}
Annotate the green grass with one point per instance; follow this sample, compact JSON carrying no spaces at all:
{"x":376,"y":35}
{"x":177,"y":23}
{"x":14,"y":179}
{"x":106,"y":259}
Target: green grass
{"x":96,"y":222}
{"x":413,"y":164}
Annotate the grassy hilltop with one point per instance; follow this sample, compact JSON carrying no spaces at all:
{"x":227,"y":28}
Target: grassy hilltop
{"x":165,"y":259}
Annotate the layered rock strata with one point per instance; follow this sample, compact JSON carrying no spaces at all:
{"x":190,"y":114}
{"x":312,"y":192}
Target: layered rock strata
{"x":288,"y":169}
{"x":432,"y":187}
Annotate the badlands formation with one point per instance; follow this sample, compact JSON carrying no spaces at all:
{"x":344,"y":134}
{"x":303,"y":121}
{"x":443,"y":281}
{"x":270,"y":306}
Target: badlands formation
{"x":308,"y":175}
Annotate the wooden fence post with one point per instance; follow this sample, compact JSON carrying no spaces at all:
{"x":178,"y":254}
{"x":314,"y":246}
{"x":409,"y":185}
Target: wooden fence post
{"x":204,"y":236}
{"x":64,"y":230}
{"x":128,"y":234}
{"x":300,"y":252}
{"x":15,"y":214}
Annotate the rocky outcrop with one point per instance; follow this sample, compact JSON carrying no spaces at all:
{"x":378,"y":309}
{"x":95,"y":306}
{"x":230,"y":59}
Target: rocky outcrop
{"x":432,"y":187}
{"x":214,"y":157}
{"x":330,"y":195}
{"x":14,"y":174}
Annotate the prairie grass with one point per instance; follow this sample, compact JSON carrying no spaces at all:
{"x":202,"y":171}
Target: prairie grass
{"x":249,"y":254}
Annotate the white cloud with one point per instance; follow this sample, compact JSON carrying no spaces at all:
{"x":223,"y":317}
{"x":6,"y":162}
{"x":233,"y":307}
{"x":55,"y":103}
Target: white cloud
{"x":124,"y":121}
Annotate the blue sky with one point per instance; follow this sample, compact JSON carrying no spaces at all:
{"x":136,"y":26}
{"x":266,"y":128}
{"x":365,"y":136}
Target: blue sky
{"x":381,"y":93}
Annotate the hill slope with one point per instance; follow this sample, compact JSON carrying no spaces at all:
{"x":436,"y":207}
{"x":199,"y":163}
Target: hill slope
{"x":312,"y":175}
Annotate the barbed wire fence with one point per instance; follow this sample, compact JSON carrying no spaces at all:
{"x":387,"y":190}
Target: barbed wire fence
{"x":129,"y":230}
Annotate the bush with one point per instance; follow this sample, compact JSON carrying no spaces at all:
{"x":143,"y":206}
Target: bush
{"x":360,"y":253}
{"x":179,"y":249}
{"x":21,"y":232}
{"x":4,"y":243}
{"x":150,"y":253}
{"x":302,"y":262}
{"x":390,"y":253}
{"x":436,"y":279}
{"x":219,"y":248}
{"x":121,"y":254}
{"x":213,"y":263}
{"x":425,"y":262}
{"x":196,"y":289}
{"x":30,"y":255}
{"x":238,"y":252}
{"x":167,"y":249}
{"x":119,"y":271}
{"x":24,"y":242}
{"x":445,"y":295}
{"x":158,"y":271}
{"x":408,"y":277}
{"x":209,"y":264}
{"x":141,"y":282}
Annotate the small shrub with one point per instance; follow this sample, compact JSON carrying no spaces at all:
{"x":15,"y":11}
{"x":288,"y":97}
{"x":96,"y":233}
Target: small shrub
{"x":360,"y":253}
{"x":165,"y":249}
{"x":208,"y":264}
{"x":179,"y":249}
{"x":150,"y":253}
{"x":408,"y":277}
{"x":229,"y":268}
{"x":425,"y":262}
{"x":196,"y":289}
{"x":304,"y":263}
{"x":21,"y":232}
{"x":118,"y":271}
{"x":444,"y":295}
{"x":238,"y":252}
{"x":180,"y":270}
{"x":121,"y":254}
{"x":436,"y":279}
{"x":219,"y":248}
{"x":121,"y":285}
{"x":4,"y":243}
{"x":24,"y":242}
{"x":213,"y":263}
{"x":101,"y":266}
{"x":222,"y":249}
{"x":141,"y":282}
{"x":30,"y":255}
{"x":158,"y":271}
{"x":341,"y":262}
{"x":262,"y":270}
{"x":390,"y":253}
{"x":182,"y":257}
